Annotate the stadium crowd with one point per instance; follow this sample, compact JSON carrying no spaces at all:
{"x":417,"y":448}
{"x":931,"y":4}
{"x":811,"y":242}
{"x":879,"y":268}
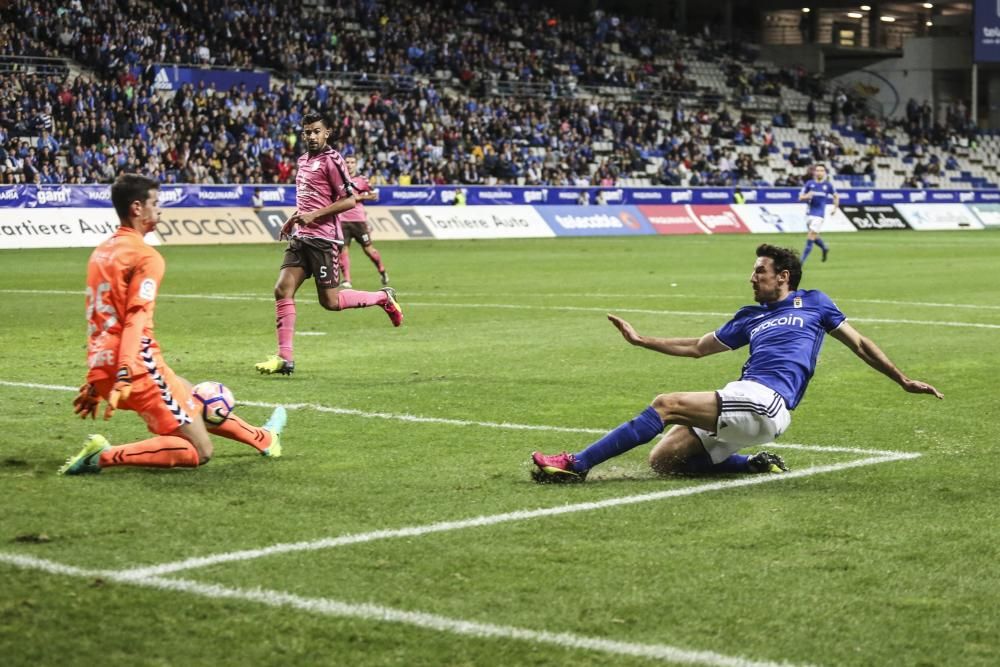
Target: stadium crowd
{"x":60,"y":129}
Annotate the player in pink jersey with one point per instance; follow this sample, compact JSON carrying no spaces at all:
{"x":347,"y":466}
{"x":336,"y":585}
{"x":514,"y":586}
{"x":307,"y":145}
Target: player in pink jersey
{"x":322,"y":193}
{"x":355,"y":225}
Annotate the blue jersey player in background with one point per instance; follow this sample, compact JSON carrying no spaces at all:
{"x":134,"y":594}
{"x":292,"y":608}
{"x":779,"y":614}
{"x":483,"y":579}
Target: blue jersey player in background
{"x":818,"y":192}
{"x":785,"y":331}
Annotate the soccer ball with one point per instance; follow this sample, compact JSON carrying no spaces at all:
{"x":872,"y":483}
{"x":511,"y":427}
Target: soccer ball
{"x":216,"y":400}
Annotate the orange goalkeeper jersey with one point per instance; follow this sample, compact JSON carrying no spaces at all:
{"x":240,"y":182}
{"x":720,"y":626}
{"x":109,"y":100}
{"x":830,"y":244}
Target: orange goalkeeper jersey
{"x":123,"y":276}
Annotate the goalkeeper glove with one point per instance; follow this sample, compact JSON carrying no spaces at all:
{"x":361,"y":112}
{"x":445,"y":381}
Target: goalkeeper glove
{"x":119,"y":392}
{"x":85,"y":403}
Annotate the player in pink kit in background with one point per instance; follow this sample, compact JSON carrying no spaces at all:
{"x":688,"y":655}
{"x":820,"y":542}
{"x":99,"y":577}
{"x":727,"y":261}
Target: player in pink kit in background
{"x":355,"y":225}
{"x":322,"y":193}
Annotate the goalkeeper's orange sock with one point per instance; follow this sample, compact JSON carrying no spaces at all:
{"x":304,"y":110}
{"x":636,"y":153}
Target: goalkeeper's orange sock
{"x":236,"y":429}
{"x":163,"y":451}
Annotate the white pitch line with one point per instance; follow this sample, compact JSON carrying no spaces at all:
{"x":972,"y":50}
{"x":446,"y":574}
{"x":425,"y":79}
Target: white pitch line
{"x":492,"y":520}
{"x":206,"y":297}
{"x":938,"y":323}
{"x":571,"y":295}
{"x":381,"y":614}
{"x":695,"y":313}
{"x":844,"y":450}
{"x":571,"y":309}
{"x":581,"y":309}
{"x":875,"y":456}
{"x":351,"y":412}
{"x":671,"y":295}
{"x":36,"y":385}
{"x":417,"y":419}
{"x":928,"y":304}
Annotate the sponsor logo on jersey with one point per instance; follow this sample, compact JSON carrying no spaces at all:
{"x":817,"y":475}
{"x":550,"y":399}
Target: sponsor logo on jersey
{"x":783,"y":321}
{"x":147,"y":290}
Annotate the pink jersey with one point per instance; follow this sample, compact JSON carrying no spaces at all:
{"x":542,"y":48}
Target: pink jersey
{"x":321,"y":180}
{"x":357,"y":214}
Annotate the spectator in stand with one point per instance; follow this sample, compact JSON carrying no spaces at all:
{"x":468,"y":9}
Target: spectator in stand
{"x":413,"y":132}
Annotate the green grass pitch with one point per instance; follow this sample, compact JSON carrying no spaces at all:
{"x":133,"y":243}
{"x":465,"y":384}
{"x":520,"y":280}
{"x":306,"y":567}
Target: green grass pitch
{"x":891,"y":563}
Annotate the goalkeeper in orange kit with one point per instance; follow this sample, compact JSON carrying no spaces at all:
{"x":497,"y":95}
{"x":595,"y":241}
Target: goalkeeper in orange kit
{"x":125,"y":365}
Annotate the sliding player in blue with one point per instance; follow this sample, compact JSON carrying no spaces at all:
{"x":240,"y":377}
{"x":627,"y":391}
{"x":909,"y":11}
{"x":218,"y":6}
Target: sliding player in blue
{"x":818,"y":192}
{"x":785,"y":332}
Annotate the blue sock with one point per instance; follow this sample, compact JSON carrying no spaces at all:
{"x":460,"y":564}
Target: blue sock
{"x":702,"y":463}
{"x":643,"y":428}
{"x":820,"y":243}
{"x":808,"y":249}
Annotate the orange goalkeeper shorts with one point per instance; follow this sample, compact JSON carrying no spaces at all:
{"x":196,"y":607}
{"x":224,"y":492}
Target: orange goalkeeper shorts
{"x":160,"y":397}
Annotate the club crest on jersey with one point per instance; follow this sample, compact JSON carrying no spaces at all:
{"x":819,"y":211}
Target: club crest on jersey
{"x":797,"y":302}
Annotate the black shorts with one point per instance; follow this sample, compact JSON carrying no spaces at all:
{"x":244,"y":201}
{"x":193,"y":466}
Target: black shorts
{"x":319,"y":258}
{"x":356,"y":230}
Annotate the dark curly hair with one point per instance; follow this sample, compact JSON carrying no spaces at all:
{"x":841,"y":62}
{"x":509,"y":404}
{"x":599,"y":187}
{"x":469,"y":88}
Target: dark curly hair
{"x":784,"y":260}
{"x":315,"y":117}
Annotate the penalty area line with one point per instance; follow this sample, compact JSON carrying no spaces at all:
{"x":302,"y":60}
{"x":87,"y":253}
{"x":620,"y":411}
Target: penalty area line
{"x":495,"y":519}
{"x":381,"y":614}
